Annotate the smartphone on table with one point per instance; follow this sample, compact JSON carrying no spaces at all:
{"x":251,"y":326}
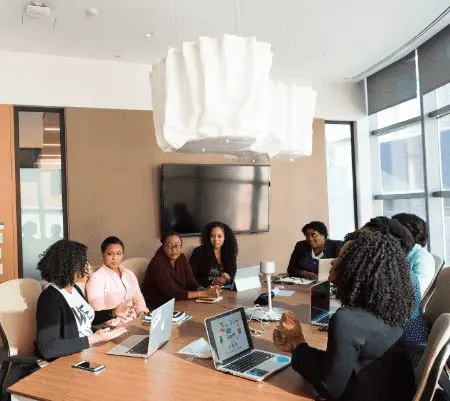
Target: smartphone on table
{"x":89,"y":366}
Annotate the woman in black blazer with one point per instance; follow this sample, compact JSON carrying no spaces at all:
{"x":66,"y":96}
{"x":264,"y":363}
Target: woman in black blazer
{"x":214,"y":262}
{"x":64,"y":317}
{"x":304,"y":260}
{"x":363,"y":360}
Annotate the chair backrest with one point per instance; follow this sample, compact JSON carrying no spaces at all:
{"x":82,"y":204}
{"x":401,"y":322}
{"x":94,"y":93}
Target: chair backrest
{"x":138,"y":266}
{"x":432,"y":286}
{"x":438,"y":262}
{"x":433,"y":360}
{"x":18,"y":314}
{"x":439,"y":301}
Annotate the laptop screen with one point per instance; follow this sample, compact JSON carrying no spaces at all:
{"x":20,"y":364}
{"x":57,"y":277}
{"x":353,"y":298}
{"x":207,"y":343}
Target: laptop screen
{"x":320,"y":300}
{"x":229,"y":334}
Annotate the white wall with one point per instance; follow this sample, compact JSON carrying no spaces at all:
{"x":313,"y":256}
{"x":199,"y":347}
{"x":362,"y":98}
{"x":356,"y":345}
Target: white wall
{"x":42,"y":80}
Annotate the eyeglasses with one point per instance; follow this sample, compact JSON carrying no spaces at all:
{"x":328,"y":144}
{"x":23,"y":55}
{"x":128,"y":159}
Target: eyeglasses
{"x":173,"y":247}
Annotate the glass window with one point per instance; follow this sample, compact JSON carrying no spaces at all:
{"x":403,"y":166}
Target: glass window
{"x":41,"y":195}
{"x":444,"y":148}
{"x":401,"y":112}
{"x":394,"y":206}
{"x":341,"y":208}
{"x":401,"y":161}
{"x":443,"y":96}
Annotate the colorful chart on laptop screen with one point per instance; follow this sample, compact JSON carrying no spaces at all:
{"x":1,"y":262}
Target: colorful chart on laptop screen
{"x":229,"y":335}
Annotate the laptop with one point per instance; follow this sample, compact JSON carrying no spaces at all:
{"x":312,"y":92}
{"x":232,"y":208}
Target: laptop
{"x":233,"y":351}
{"x":143,"y":346}
{"x":246,"y":278}
{"x":324,"y":269}
{"x":320,"y":304}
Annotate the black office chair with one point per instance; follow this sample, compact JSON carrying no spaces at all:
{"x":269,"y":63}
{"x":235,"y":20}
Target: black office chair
{"x":431,"y":288}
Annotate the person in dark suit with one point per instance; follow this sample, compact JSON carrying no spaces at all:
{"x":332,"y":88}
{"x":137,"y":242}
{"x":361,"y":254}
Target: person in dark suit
{"x":304,"y":260}
{"x":214,"y":262}
{"x":363,"y":359}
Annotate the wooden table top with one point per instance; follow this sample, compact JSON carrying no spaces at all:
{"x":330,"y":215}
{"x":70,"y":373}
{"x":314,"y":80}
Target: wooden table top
{"x":167,"y":375}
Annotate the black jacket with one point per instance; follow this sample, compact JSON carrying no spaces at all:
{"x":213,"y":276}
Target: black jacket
{"x":201,"y":261}
{"x":57,"y":330}
{"x":301,"y":258}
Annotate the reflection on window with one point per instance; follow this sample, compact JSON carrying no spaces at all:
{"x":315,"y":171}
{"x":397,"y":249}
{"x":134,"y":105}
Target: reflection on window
{"x":444,"y":146}
{"x":39,"y":159}
{"x":341,"y":211}
{"x":401,"y":161}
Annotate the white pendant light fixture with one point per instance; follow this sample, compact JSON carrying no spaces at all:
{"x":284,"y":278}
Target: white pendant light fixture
{"x":212,"y":95}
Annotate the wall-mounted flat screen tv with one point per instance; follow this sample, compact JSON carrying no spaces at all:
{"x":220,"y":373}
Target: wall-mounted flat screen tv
{"x":193,"y":195}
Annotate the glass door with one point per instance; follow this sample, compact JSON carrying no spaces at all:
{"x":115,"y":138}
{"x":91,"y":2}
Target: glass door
{"x":41,"y":183}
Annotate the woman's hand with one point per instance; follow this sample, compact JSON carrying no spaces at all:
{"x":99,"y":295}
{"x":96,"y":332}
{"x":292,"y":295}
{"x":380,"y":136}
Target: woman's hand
{"x":288,"y":334}
{"x":309,"y":275}
{"x":126,"y":310}
{"x":114,"y":322}
{"x":220,"y":280}
{"x":211,"y":292}
{"x":106,"y":335}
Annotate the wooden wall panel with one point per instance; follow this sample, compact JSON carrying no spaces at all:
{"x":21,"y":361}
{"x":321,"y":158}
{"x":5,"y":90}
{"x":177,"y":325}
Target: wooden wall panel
{"x":8,"y":217}
{"x":113,"y":187}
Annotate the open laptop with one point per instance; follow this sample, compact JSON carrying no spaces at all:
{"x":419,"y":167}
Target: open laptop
{"x":320,"y":304}
{"x":233,"y":351}
{"x":324,"y":269}
{"x":246,"y":278}
{"x":143,"y":346}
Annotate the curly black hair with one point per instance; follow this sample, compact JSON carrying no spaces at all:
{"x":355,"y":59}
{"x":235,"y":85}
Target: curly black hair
{"x":374,"y":275}
{"x":416,"y":226}
{"x":318,"y":226}
{"x":229,"y":250}
{"x":385,"y":225}
{"x":62,"y":261}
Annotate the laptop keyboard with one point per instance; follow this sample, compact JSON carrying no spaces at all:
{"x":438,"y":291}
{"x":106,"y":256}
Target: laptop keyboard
{"x":323,"y":318}
{"x":140,"y":348}
{"x":249,"y":361}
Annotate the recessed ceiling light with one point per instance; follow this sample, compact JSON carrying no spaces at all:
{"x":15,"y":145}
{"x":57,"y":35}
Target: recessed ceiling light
{"x":321,"y":54}
{"x":149,"y":35}
{"x":91,"y":12}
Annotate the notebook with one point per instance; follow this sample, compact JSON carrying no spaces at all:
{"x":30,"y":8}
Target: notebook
{"x":320,"y":304}
{"x":143,"y":346}
{"x":233,"y":351}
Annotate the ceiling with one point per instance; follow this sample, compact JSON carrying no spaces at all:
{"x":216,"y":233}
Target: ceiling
{"x":314,"y":40}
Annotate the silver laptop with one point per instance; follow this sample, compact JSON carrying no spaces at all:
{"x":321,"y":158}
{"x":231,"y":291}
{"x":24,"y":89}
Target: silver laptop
{"x":324,"y":269}
{"x":320,"y":304}
{"x":233,"y":351}
{"x":143,"y":346}
{"x":246,"y":278}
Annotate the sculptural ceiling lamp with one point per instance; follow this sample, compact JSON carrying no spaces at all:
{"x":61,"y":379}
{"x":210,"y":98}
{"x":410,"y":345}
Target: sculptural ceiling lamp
{"x":212,"y":95}
{"x":215,"y":96}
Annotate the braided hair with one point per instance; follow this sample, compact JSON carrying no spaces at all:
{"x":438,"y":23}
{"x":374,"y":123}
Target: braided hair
{"x":374,"y":275}
{"x":62,"y":261}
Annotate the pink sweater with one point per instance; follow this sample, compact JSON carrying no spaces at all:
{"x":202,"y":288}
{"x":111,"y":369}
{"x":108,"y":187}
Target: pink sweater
{"x":105,"y":289}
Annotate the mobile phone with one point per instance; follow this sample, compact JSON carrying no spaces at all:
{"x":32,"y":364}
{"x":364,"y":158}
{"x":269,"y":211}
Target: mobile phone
{"x":89,"y":366}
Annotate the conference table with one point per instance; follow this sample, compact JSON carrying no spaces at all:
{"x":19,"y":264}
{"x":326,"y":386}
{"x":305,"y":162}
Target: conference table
{"x":167,"y":375}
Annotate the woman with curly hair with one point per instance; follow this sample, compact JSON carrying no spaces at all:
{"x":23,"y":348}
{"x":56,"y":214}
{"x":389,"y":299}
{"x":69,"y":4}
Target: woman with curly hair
{"x":214,"y":262}
{"x":374,"y":286}
{"x":64,"y":317}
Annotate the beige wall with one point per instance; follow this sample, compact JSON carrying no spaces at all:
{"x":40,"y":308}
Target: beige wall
{"x":113,"y":187}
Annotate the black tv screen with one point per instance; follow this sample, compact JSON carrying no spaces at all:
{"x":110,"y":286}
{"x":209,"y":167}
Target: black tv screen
{"x":193,"y":195}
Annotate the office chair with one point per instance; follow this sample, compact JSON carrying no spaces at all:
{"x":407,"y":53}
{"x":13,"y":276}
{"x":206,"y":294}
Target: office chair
{"x":431,"y":288}
{"x":138,"y":266}
{"x":439,"y":300}
{"x":433,"y":360}
{"x":17,"y":321}
{"x":438,"y":262}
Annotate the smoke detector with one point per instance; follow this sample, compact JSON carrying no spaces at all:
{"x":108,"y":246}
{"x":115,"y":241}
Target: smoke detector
{"x":38,"y":10}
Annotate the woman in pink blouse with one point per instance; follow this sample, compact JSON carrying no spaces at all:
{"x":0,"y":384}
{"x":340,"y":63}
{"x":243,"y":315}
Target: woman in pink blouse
{"x":112,"y":283}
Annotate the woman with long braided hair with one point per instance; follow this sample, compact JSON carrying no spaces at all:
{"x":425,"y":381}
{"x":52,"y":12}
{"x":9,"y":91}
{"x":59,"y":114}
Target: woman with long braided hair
{"x":374,"y":286}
